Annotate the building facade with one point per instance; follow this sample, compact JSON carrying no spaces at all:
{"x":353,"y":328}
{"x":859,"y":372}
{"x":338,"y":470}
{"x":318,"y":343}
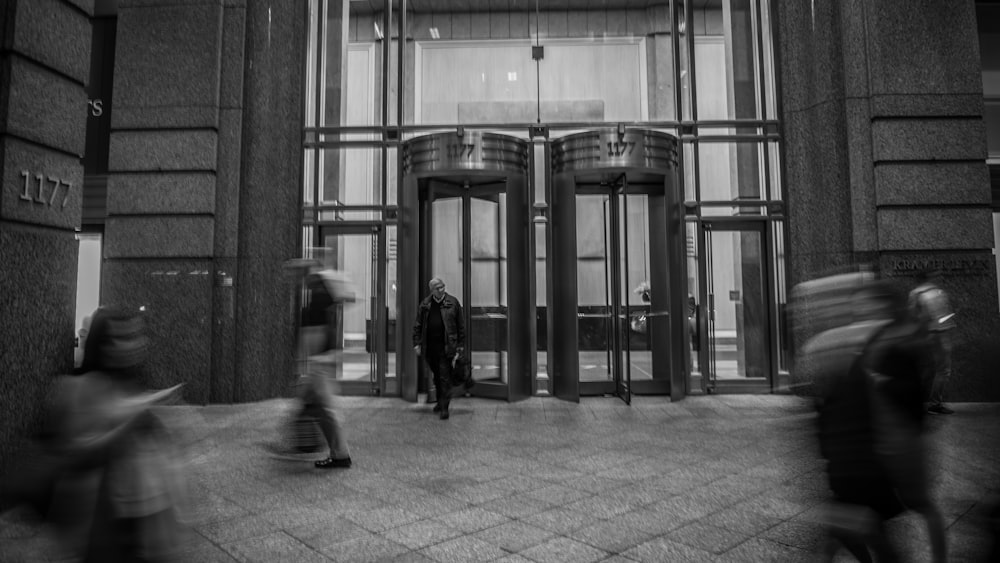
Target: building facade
{"x":621,"y":192}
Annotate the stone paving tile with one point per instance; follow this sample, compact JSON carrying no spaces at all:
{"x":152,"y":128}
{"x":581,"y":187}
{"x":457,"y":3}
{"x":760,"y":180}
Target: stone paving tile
{"x":233,"y":529}
{"x":369,"y":548}
{"x":612,"y":536}
{"x":759,"y":549}
{"x":659,"y":550}
{"x":421,"y":534}
{"x":564,"y":550}
{"x":463,"y":550}
{"x":707,"y":537}
{"x":472,"y":519}
{"x":382,"y":519}
{"x":657,"y":481}
{"x":561,"y":520}
{"x":273,"y":547}
{"x":321,"y":535}
{"x":517,"y":506}
{"x":514,"y":536}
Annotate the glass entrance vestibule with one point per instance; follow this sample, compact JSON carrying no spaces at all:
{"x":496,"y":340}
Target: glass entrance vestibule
{"x":617,"y":268}
{"x":580,"y":269}
{"x":465,"y":208}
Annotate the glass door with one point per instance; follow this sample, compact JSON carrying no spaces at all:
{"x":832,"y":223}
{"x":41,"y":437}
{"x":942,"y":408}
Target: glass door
{"x":358,"y":336}
{"x":613,"y":293}
{"x":738,"y":357}
{"x":466,"y":228}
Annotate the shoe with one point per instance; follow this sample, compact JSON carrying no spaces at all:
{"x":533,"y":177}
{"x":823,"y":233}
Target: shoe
{"x":444,"y":415}
{"x":939,"y":409}
{"x":330,"y":463}
{"x":437,"y":408}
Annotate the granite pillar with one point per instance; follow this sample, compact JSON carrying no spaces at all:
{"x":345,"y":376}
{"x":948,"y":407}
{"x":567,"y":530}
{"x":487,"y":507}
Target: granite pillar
{"x":163,"y":173}
{"x":885,"y":155}
{"x":270,"y":205}
{"x":44,"y":67}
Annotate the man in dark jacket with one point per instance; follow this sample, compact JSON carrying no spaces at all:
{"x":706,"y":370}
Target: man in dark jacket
{"x":438,"y":336}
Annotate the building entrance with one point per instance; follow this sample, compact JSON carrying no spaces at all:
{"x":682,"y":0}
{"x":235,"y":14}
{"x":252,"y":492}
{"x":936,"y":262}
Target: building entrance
{"x":738,"y":356}
{"x":358,"y":337}
{"x":616,"y":264}
{"x":466,"y":204}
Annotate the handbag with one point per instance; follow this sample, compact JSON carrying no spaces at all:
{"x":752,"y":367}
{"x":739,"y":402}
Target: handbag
{"x":461,"y":372}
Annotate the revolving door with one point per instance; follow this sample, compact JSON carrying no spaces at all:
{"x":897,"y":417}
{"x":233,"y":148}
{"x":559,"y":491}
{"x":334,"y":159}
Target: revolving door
{"x":466,"y":208}
{"x":617,"y":266}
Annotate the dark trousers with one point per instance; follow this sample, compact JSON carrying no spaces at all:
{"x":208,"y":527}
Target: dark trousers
{"x":440,"y":366}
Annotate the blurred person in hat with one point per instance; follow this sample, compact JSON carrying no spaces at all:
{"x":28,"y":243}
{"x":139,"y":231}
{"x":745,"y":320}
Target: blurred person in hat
{"x":109,"y":474}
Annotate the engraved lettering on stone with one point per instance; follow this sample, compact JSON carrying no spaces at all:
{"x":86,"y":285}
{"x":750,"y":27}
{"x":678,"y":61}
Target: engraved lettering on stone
{"x":40,"y":193}
{"x":27,"y":177}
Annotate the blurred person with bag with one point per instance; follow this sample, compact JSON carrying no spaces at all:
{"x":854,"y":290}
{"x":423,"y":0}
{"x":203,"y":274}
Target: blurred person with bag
{"x":113,"y":487}
{"x":439,"y":338}
{"x":318,"y":355}
{"x":871,"y":424}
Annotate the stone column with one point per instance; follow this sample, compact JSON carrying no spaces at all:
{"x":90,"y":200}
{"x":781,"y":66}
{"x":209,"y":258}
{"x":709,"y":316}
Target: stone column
{"x":44,"y":65}
{"x":885,"y":154}
{"x":163,"y":175}
{"x":270,"y":206}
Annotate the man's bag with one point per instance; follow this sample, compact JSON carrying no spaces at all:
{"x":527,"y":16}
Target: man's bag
{"x":461,"y":372}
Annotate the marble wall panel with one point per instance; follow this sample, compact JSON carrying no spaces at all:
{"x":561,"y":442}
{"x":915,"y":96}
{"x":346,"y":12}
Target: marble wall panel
{"x":158,"y":236}
{"x":161,"y":193}
{"x":227,"y":187}
{"x":817,"y":176}
{"x":141,"y":151}
{"x":57,"y":203}
{"x":928,"y":139}
{"x":55,"y":34}
{"x":907,"y":105}
{"x":935,"y":228}
{"x":862,"y":186}
{"x":233,"y":38}
{"x":938,"y":183}
{"x":45,"y":107}
{"x":810,"y":45}
{"x":37,"y":308}
{"x":169,"y":74}
{"x":176,"y":299}
{"x":923,"y":47}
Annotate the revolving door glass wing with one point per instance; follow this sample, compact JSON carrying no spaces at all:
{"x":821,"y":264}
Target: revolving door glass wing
{"x":467,"y":234}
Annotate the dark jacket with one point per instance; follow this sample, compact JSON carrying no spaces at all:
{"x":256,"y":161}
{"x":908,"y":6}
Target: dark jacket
{"x":454,"y":324}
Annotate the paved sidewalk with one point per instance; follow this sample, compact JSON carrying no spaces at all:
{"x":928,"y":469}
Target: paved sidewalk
{"x":709,"y":478}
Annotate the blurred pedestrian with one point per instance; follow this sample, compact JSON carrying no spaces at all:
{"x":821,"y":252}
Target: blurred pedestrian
{"x":318,"y":357}
{"x":871,"y":430}
{"x":115,"y":486}
{"x":931,"y":307}
{"x":439,"y":337}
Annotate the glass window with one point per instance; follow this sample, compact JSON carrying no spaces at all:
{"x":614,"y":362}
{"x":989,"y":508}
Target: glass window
{"x":731,"y":171}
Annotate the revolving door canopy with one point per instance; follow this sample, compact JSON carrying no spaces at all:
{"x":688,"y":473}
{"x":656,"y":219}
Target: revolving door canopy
{"x":466,"y":218}
{"x":617,"y":293}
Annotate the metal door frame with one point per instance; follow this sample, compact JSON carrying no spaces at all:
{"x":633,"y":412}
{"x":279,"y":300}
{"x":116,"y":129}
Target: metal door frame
{"x":465,"y":192}
{"x":707,"y":355}
{"x":379,"y":355}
